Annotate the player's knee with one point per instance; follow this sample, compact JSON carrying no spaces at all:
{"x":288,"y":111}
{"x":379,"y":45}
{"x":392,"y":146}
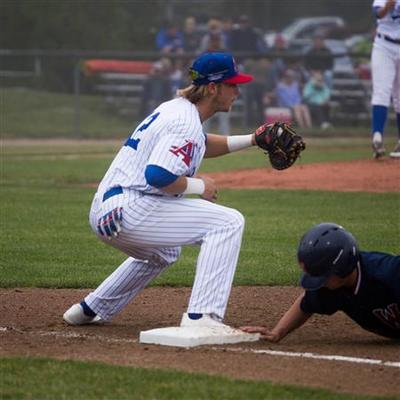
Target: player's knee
{"x":166,"y":257}
{"x":237,"y":219}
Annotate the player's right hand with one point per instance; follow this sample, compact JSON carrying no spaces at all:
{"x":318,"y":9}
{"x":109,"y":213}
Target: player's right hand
{"x":390,"y":4}
{"x":210,"y":191}
{"x":264,"y":332}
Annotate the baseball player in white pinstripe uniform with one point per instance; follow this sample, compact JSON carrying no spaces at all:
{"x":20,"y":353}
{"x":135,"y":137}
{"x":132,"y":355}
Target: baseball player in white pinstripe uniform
{"x":385,"y":65}
{"x":140,"y":205}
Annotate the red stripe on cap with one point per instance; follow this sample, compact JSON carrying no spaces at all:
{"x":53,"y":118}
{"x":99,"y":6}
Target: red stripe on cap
{"x":239,"y":79}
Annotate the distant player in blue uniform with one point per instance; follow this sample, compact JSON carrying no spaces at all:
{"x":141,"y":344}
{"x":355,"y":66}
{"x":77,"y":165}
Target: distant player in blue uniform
{"x":339,"y":277}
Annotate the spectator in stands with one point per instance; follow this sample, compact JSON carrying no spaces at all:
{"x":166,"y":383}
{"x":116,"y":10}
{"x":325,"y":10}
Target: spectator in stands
{"x":260,"y":92}
{"x":318,"y":58}
{"x":169,"y":39}
{"x":191,"y":37}
{"x":279,"y":64}
{"x":176,"y":75}
{"x":158,"y":87}
{"x":316,"y":95}
{"x":288,"y":93}
{"x":214,"y":39}
{"x":227,"y":28}
{"x":246,"y":38}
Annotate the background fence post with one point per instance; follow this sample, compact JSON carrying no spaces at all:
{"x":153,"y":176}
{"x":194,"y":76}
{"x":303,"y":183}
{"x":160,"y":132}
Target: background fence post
{"x":77,"y":90}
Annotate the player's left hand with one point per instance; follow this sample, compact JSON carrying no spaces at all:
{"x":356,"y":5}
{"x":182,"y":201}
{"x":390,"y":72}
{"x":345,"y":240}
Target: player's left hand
{"x":110,"y":224}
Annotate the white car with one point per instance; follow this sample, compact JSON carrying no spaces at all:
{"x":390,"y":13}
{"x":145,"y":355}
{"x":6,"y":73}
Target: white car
{"x":302,"y":30}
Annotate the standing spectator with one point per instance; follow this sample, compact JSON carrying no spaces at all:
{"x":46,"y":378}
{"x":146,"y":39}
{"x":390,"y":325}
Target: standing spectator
{"x":279,"y":65}
{"x":289,"y":95}
{"x":176,"y":75}
{"x":318,"y":58}
{"x":169,"y":39}
{"x":227,"y":28}
{"x":246,"y":38}
{"x":385,"y":65}
{"x":191,"y":37}
{"x":316,"y":94}
{"x":214,"y":39}
{"x":158,"y":87}
{"x":259,"y":91}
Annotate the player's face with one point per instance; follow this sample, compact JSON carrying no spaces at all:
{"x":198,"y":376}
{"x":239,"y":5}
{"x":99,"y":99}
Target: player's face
{"x":334,"y":282}
{"x":226,"y":95}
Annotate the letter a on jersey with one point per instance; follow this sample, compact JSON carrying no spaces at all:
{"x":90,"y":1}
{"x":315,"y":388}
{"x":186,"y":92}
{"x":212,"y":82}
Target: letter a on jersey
{"x":186,"y":151}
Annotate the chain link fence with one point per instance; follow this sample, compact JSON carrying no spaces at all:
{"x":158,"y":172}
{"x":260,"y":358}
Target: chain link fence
{"x":85,"y":94}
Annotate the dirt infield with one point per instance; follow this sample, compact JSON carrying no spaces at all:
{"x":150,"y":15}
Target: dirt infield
{"x":351,"y":176}
{"x":25,"y":330}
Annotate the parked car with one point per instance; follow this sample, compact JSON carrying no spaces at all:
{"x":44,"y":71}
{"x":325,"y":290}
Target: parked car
{"x":301,"y":31}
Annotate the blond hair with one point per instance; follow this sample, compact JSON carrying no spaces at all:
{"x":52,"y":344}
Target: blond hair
{"x":193,"y":93}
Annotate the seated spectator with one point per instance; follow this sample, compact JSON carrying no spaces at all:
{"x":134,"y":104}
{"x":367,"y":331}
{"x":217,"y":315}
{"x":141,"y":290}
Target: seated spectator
{"x":316,"y":94}
{"x":289,"y":95}
{"x":214,"y":39}
{"x":169,"y":39}
{"x":191,"y":37}
{"x":318,"y":58}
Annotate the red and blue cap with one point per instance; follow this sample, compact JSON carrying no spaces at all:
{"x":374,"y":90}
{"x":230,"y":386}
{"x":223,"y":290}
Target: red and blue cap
{"x":217,"y":67}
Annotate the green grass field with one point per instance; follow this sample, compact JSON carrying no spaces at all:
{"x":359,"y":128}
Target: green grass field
{"x":46,"y":190}
{"x":99,"y":381}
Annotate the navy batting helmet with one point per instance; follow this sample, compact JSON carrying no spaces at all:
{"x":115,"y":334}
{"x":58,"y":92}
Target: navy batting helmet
{"x":326,"y":249}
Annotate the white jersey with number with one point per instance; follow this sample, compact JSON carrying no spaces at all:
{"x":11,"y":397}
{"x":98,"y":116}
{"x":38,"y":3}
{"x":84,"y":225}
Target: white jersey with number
{"x":172,"y":137}
{"x":155,"y":225}
{"x":385,"y":59}
{"x":389,"y":25}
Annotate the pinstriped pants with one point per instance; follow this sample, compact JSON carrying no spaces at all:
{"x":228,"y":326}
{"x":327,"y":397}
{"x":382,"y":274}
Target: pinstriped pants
{"x":153,"y":230}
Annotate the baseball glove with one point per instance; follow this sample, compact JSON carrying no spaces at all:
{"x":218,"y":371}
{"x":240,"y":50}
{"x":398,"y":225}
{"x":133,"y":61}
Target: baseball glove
{"x":282,"y":144}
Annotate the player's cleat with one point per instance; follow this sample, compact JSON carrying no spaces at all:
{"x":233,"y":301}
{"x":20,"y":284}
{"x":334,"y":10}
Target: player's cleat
{"x":378,"y":149}
{"x":396,"y":152}
{"x":75,"y":316}
{"x":206,"y":320}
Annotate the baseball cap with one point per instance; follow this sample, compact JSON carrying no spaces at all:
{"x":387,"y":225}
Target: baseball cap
{"x":217,"y":67}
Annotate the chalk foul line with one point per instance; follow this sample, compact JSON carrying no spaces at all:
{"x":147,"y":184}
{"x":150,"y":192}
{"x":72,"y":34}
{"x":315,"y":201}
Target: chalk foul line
{"x":331,"y":357}
{"x":327,"y":357}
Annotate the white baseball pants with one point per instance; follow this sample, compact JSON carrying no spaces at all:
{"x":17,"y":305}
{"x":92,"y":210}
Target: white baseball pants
{"x":385,"y":65}
{"x":153,"y":230}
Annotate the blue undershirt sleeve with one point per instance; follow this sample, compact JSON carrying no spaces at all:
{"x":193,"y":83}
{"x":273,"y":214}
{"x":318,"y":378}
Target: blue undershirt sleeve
{"x":159,"y":177}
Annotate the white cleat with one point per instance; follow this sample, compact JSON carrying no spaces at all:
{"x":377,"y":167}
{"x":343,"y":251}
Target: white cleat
{"x":76,"y":316}
{"x":396,"y":151}
{"x":377,"y":145}
{"x":206,"y":321}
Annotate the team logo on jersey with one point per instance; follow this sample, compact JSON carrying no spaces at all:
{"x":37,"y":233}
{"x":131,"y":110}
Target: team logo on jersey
{"x":389,"y":315}
{"x":186,"y":151}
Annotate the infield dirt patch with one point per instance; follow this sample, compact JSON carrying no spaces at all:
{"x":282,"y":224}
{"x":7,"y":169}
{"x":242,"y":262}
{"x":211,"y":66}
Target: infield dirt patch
{"x":31,"y":325}
{"x":344,"y":176}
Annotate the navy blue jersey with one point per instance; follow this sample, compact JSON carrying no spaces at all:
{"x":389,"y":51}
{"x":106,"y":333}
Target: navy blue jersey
{"x":375,"y":301}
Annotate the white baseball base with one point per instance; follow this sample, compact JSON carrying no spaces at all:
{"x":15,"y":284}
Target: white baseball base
{"x":196,"y":336}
